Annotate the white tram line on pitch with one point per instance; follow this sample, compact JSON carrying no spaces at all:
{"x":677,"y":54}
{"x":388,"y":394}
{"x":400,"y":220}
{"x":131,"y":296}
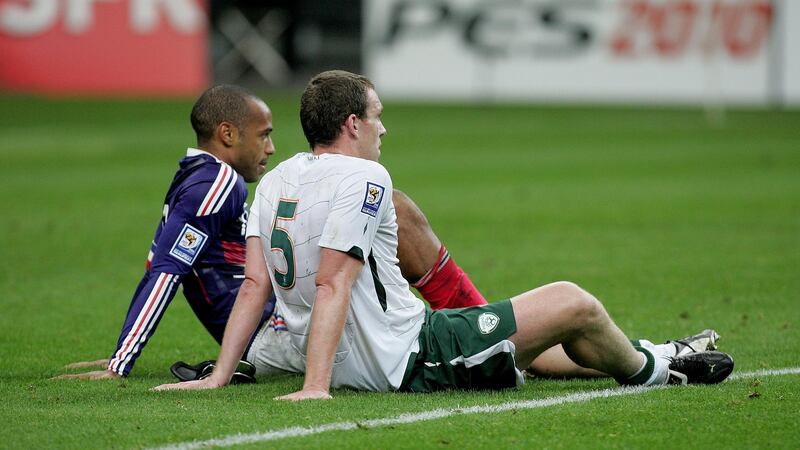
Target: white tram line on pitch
{"x":284,"y":433}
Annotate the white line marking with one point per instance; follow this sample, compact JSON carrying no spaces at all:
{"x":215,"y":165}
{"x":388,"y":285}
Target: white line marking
{"x":765,"y":373}
{"x":283,"y":433}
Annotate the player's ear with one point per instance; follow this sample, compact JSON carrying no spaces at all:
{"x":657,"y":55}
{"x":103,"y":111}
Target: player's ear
{"x":351,"y":125}
{"x":226,"y":132}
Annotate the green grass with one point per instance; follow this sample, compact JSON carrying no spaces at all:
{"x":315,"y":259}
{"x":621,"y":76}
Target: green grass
{"x":676,"y":225}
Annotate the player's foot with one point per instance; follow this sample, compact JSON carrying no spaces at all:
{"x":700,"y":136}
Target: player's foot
{"x":703,"y":341}
{"x":245,"y":371}
{"x":708,"y":367}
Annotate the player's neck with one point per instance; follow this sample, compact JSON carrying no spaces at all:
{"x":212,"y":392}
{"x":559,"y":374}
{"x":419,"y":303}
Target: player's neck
{"x":218,"y":151}
{"x":337,"y":148}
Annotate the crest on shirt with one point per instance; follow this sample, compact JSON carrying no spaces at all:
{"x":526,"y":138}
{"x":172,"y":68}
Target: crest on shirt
{"x":487,"y":322}
{"x":188,"y":245}
{"x":372,"y":199}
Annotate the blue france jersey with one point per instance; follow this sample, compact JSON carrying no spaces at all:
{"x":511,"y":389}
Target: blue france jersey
{"x":199,"y":243}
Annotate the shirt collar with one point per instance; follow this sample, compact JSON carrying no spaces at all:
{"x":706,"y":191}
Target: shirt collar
{"x":191,"y":151}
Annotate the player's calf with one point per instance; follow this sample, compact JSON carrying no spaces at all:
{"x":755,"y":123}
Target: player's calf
{"x":446,"y":285}
{"x":426,"y":263}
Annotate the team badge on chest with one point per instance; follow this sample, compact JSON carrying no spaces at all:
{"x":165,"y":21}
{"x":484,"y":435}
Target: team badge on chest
{"x":487,"y":322}
{"x":188,"y":245}
{"x":372,"y":199}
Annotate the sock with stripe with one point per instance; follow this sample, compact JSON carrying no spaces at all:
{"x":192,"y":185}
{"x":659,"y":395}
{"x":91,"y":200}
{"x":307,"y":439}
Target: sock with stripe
{"x":446,"y":285}
{"x":654,"y":370}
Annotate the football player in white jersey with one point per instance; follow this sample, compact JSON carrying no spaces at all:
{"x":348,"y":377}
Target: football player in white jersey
{"x":322,"y":236}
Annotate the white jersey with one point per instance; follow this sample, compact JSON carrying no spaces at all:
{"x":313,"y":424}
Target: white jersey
{"x":342,"y":203}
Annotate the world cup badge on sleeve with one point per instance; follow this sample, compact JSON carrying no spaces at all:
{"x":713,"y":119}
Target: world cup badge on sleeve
{"x":372,"y":199}
{"x":188,"y":245}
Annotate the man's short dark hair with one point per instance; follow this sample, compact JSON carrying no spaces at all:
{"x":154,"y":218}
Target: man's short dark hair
{"x":222,"y":103}
{"x":328,"y":100}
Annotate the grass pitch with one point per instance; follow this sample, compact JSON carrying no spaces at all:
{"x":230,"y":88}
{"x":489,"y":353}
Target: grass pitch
{"x":675,"y":224}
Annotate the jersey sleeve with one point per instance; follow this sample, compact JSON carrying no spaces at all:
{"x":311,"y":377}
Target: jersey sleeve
{"x":196,"y":218}
{"x":149,"y":302}
{"x":356,"y":210}
{"x":190,"y":227}
{"x":254,"y":217}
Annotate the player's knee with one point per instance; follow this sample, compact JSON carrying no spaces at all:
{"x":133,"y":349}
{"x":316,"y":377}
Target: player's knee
{"x":408,"y":214}
{"x":577,"y":304}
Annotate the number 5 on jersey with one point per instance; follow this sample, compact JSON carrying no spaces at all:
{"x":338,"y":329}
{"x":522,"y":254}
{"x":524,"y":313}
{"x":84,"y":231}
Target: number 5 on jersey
{"x":282,"y":242}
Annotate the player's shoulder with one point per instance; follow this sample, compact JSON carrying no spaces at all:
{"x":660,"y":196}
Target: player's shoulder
{"x":352,"y":161}
{"x":353,"y":167}
{"x":213,"y":184}
{"x":291,"y":163}
{"x":280,"y":171}
{"x":212,"y":173}
{"x":210,"y":169}
{"x":369,"y":165}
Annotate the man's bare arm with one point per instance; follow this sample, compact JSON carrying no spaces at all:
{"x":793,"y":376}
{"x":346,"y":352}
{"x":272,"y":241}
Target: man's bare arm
{"x":104,"y":374}
{"x":244,"y":319}
{"x":99,"y":363}
{"x":93,"y":375}
{"x":337,"y":273}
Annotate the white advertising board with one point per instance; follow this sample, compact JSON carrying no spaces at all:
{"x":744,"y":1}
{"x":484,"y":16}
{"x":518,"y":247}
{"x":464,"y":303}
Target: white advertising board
{"x":665,"y":51}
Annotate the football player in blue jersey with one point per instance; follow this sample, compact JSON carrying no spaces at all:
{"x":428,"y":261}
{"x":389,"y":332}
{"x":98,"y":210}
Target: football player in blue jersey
{"x":199,"y":242}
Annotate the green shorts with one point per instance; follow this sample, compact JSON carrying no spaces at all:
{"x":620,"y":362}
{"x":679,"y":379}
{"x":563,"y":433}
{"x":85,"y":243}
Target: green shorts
{"x":465,"y":348}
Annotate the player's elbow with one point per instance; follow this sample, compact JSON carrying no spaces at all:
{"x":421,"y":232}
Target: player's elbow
{"x":328,"y":287}
{"x":337,"y":273}
{"x":325,"y":290}
{"x":254,"y":284}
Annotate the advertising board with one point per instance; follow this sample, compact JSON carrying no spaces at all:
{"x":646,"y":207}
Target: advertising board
{"x":104,"y":46}
{"x":673,"y":51}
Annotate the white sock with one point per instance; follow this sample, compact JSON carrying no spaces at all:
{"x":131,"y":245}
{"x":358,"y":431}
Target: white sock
{"x":663,"y":350}
{"x":660,"y":372}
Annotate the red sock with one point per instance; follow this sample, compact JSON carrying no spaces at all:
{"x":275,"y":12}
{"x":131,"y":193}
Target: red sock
{"x":446,"y":285}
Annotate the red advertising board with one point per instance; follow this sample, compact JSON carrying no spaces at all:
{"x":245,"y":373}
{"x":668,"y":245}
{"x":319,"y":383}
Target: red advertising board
{"x":104,"y":46}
